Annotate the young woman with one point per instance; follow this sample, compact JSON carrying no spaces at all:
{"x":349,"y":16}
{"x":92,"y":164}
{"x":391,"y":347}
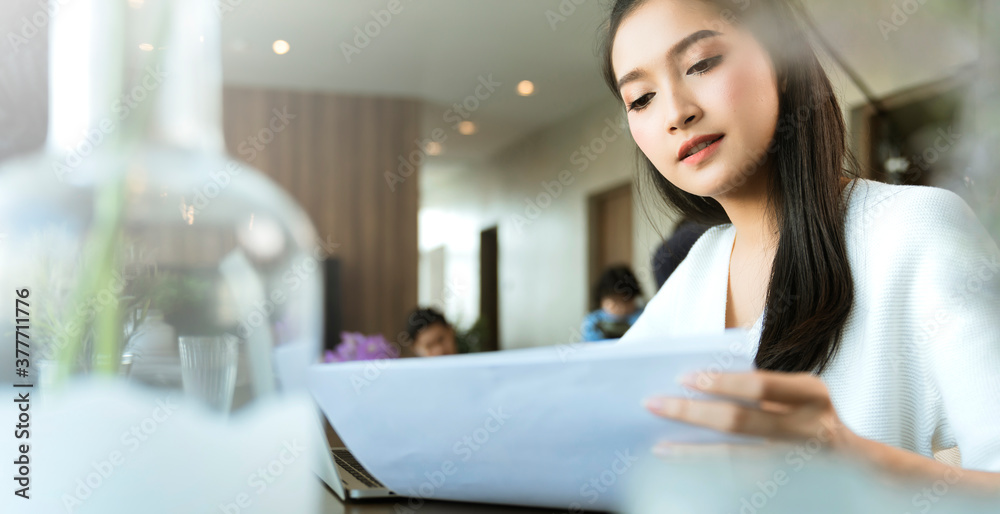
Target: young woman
{"x":874,"y":308}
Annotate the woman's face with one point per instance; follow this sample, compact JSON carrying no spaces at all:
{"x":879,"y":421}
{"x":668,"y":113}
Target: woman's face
{"x":723,"y":83}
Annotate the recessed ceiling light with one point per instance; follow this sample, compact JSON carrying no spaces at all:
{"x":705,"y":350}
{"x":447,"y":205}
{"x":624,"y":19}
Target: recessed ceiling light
{"x":146,"y":47}
{"x":135,"y":4}
{"x":433,"y":148}
{"x":467,"y":128}
{"x":525,"y":88}
{"x":281,"y":47}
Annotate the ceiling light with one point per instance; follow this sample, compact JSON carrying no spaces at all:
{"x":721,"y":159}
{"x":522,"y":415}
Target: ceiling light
{"x":525,"y":88}
{"x":281,"y":47}
{"x":146,"y":47}
{"x":433,"y":148}
{"x":467,"y":128}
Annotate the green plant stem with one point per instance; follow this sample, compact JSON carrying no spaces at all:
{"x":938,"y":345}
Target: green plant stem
{"x":100,"y":252}
{"x":107,"y":325}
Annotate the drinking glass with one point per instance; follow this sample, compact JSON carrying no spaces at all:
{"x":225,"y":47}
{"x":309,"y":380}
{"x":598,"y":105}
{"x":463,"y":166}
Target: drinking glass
{"x":208,"y":369}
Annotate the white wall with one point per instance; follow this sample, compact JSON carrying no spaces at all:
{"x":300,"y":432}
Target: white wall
{"x":543,"y":252}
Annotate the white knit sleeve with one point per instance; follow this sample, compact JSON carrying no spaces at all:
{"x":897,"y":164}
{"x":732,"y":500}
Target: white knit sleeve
{"x":955,"y":302}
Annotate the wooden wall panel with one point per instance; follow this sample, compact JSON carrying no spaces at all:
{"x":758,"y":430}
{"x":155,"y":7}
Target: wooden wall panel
{"x":331,"y":157}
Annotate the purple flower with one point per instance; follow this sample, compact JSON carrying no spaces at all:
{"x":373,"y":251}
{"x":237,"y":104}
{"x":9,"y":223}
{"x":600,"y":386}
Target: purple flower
{"x":355,"y":346}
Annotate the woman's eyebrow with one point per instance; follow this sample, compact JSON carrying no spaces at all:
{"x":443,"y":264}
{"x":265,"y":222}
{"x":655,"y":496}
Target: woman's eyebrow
{"x":677,"y":48}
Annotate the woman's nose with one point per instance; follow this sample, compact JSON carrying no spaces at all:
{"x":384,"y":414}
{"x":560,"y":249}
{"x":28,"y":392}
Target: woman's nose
{"x":674,"y":125}
{"x":682,"y":113}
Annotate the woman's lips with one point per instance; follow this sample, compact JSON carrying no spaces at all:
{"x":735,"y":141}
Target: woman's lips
{"x":704,"y":153}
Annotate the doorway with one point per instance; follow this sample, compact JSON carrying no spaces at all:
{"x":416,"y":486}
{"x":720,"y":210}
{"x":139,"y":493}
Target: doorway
{"x":609,"y":232}
{"x":489,"y":308}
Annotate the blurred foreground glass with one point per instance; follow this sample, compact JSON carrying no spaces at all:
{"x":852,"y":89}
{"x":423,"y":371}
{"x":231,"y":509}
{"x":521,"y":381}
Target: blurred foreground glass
{"x":208,"y":369}
{"x":134,"y":208}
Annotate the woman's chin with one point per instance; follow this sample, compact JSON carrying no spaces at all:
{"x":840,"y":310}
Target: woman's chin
{"x":710,"y":181}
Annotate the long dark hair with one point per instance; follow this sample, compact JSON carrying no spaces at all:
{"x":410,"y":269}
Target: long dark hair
{"x":810,"y":291}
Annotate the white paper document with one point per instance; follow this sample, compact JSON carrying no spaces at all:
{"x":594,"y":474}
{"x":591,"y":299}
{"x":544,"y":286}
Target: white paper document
{"x":556,"y":426}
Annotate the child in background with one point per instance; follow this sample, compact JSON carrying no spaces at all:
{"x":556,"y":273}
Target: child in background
{"x":616,"y":293}
{"x":430,"y":333}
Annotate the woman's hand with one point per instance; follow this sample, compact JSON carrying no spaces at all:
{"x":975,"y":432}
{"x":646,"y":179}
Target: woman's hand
{"x":788,"y":407}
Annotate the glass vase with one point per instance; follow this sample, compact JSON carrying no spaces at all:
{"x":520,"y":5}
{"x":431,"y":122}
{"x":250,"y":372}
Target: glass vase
{"x":133,"y":207}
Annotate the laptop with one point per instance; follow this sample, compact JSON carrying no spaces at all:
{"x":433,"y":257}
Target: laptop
{"x":343,"y":473}
{"x":334,"y":463}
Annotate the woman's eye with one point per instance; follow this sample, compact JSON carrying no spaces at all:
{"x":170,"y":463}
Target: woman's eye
{"x":640,"y":103}
{"x":704,"y":65}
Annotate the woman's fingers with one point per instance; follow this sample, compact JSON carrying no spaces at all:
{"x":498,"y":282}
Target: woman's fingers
{"x":723,"y":416}
{"x":775,"y":407}
{"x":773,"y":422}
{"x":764,"y":404}
{"x":790,"y":388}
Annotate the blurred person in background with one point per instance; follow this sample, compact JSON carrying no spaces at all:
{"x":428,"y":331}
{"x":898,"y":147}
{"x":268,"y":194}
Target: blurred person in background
{"x":675,"y":248}
{"x":430,"y":333}
{"x":617,"y":293}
